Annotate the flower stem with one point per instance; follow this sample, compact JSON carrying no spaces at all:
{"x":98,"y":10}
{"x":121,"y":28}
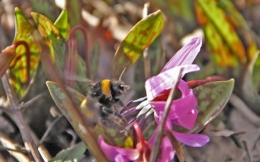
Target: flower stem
{"x":159,"y":134}
{"x":78,"y":27}
{"x":147,"y":65}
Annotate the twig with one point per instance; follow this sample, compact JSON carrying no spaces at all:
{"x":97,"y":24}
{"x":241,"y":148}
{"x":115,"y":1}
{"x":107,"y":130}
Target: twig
{"x":159,"y":134}
{"x":248,"y":151}
{"x":28,"y":103}
{"x":49,"y":129}
{"x":16,"y":114}
{"x":147,"y":66}
{"x":244,"y":109}
{"x":10,"y":149}
{"x":176,"y":146}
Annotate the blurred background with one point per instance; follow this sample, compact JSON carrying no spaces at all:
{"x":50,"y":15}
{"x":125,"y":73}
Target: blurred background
{"x":231,"y":36}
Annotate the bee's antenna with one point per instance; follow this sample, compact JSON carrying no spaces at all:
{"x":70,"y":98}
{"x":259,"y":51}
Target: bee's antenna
{"x":120,"y":77}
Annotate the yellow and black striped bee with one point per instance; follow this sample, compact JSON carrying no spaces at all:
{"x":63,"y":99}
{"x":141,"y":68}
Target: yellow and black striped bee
{"x":102,"y":99}
{"x":107,"y":93}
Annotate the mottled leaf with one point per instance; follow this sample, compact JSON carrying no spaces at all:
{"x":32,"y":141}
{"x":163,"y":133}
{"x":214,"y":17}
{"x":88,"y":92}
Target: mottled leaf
{"x":212,"y":98}
{"x":52,"y":38}
{"x":71,"y":154}
{"x":180,"y":14}
{"x":62,"y":24}
{"x":220,"y":34}
{"x":139,"y":38}
{"x":57,"y":45}
{"x":241,"y":27}
{"x":68,"y":101}
{"x":19,"y":65}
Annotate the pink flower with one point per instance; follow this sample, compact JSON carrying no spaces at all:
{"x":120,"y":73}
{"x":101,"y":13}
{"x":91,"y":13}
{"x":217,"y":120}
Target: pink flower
{"x":183,"y":111}
{"x":182,"y":59}
{"x":167,"y":150}
{"x":141,"y":152}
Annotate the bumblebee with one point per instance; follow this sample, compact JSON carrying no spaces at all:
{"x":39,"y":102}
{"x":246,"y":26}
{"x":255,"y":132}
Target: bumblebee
{"x":107,"y":92}
{"x":102,"y":98}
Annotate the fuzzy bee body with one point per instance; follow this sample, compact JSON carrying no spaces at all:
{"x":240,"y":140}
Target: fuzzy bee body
{"x":103,"y":98}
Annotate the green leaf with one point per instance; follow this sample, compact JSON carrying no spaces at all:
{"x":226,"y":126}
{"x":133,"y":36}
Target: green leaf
{"x":240,"y":24}
{"x":221,"y":36}
{"x":180,"y":14}
{"x":47,"y":8}
{"x":62,"y":24}
{"x":139,"y":38}
{"x":18,"y":66}
{"x":71,"y":154}
{"x":69,"y":101}
{"x":57,"y":45}
{"x":52,"y":38}
{"x":74,"y":12}
{"x":212,"y":98}
{"x":95,"y":54}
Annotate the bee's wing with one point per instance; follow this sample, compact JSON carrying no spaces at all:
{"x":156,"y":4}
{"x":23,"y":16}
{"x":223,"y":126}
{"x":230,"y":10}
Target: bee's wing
{"x":77,"y":78}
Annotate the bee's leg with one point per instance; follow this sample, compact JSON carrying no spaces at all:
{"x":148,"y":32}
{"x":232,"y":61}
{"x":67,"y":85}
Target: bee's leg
{"x":124,"y":107}
{"x":104,"y":111}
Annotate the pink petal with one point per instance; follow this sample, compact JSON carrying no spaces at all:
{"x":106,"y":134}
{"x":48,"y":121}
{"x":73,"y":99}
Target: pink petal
{"x":188,"y":120}
{"x":113,"y":152}
{"x":194,"y":140}
{"x":163,"y":81}
{"x":183,"y":110}
{"x":184,"y":88}
{"x":120,"y":158}
{"x":167,"y":153}
{"x":185,"y":55}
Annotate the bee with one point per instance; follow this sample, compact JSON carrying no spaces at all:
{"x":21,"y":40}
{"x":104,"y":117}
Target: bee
{"x":102,"y":100}
{"x":107,"y":93}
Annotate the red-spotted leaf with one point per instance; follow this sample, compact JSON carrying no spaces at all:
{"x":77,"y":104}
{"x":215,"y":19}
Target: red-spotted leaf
{"x":19,"y":66}
{"x":52,"y":38}
{"x":68,"y":101}
{"x":139,"y":38}
{"x":221,"y":36}
{"x":212,"y":98}
{"x":57,"y":45}
{"x":241,"y":27}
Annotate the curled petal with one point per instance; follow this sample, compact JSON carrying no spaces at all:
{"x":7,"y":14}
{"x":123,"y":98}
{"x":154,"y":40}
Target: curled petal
{"x":113,"y":152}
{"x":193,"y":140}
{"x":163,"y":81}
{"x":183,"y":110}
{"x":188,"y":120}
{"x":185,"y":55}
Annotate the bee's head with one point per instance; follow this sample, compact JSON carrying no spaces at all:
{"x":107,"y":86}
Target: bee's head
{"x":118,"y":88}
